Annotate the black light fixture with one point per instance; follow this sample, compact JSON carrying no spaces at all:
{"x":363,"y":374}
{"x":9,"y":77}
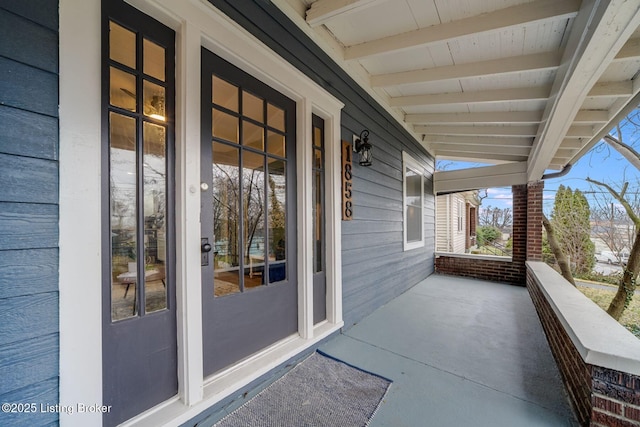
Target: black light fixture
{"x":363,"y":147}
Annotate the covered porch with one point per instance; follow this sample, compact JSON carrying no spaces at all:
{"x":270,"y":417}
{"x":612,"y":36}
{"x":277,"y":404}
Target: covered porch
{"x":460,"y":351}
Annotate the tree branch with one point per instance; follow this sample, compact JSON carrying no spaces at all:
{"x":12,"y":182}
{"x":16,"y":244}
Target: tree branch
{"x":619,"y":197}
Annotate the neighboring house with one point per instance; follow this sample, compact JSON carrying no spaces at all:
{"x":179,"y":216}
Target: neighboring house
{"x":173,"y":182}
{"x":456,"y":221}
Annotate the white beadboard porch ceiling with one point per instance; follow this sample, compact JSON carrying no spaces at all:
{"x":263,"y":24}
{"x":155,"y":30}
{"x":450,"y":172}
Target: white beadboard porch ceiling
{"x":533,"y":82}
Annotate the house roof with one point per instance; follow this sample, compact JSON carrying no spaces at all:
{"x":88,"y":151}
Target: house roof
{"x":530,"y":84}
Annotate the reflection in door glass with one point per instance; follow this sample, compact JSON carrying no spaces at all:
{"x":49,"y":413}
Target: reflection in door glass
{"x":122,"y":174}
{"x":155,"y":214}
{"x":226,"y":208}
{"x":253,"y":221}
{"x":277,"y":220}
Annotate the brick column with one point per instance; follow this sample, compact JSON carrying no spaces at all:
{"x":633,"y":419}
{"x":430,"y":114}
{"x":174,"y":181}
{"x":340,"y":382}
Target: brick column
{"x":519,"y":228}
{"x":534,"y":221}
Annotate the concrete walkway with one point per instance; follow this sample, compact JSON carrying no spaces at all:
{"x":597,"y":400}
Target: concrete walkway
{"x":461,"y":352}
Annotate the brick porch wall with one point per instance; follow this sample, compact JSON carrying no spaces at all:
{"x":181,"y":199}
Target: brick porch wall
{"x":526,"y":238}
{"x":600,"y":396}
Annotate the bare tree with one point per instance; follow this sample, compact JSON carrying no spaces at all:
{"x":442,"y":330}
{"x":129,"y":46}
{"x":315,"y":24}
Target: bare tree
{"x":627,"y":285}
{"x":495,"y":217}
{"x":557,"y":251}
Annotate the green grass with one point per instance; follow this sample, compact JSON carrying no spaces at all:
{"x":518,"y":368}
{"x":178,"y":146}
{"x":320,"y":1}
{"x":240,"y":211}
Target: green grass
{"x":630,"y":318}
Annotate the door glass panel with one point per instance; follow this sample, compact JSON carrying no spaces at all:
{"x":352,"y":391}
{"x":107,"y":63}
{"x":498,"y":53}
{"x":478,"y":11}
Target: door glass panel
{"x":317,"y":221}
{"x":225,"y":126}
{"x":317,"y":137}
{"x":225,"y":94}
{"x":252,"y":136}
{"x":153,"y":59}
{"x":122,"y":45}
{"x":252,"y":107}
{"x":226,"y":221}
{"x":122,"y":176}
{"x":276,"y":144}
{"x":275,"y":117}
{"x":155,"y":214}
{"x":317,"y":159}
{"x":154,"y":105}
{"x":253,"y":221}
{"x":277,"y":220}
{"x":122,"y":89}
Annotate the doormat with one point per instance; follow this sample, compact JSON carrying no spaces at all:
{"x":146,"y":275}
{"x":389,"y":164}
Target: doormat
{"x":320,"y":391}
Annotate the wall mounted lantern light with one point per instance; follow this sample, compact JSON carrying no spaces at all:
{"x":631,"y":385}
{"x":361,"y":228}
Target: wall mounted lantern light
{"x":363,"y":147}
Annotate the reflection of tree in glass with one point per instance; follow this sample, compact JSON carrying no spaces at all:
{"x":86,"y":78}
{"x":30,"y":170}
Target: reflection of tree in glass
{"x":277,"y":218}
{"x":253,"y":183}
{"x":225,"y":212}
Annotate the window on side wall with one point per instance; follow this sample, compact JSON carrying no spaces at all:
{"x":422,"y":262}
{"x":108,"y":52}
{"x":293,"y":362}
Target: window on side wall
{"x":413,"y":202}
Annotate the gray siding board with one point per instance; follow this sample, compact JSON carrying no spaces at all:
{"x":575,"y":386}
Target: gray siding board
{"x":27,"y":317}
{"x":45,"y":392}
{"x":369,"y":226}
{"x":21,"y":86}
{"x":25,"y":363}
{"x":367,"y":213}
{"x":356,"y":257}
{"x":27,"y":226}
{"x":43,"y":12}
{"x":372,"y":240}
{"x":25,"y":272}
{"x":28,"y":134}
{"x":28,"y":180}
{"x":29,"y":197}
{"x":26,"y":35}
{"x":371,"y":200}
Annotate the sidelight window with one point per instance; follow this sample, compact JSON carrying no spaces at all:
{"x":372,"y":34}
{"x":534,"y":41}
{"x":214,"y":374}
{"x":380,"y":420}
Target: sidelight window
{"x":138,"y":129}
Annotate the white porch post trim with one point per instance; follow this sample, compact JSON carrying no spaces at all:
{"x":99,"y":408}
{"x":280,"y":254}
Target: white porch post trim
{"x":188,"y":289}
{"x":80,"y":263}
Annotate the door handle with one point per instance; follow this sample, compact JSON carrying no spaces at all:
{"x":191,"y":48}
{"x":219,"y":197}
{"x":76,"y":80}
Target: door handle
{"x":205,"y":248}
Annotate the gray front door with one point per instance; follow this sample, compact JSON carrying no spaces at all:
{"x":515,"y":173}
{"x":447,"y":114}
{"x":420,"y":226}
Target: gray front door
{"x":248,"y":215}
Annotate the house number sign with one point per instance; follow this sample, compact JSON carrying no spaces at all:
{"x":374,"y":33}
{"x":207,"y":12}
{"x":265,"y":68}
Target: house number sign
{"x":347,"y":175}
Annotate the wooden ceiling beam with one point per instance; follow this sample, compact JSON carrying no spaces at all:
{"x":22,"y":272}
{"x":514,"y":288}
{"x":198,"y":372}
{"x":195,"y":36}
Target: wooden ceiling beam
{"x":479,"y":140}
{"x":599,"y":32}
{"x":479,"y":97}
{"x":321,"y":11}
{"x":502,"y":66}
{"x":493,"y":158}
{"x":488,"y":118}
{"x":487,"y":130}
{"x":537,"y":11}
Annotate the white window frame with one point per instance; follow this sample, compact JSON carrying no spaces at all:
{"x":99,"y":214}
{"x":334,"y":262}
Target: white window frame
{"x":409,"y":162}
{"x":196,"y":24}
{"x":461,"y":212}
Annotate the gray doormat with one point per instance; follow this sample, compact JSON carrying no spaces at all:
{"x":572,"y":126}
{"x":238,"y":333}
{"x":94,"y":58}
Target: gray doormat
{"x":320,"y":391}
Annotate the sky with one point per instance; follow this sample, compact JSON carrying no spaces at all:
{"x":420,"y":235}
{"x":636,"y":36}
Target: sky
{"x":601,"y":163}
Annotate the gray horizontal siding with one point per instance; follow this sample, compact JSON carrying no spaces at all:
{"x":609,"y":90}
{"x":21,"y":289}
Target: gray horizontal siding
{"x":28,"y":134}
{"x":29,"y":197}
{"x":375,"y":267}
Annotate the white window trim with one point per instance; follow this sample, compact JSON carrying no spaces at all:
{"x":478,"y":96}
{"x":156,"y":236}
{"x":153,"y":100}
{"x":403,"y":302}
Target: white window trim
{"x":410,"y":162}
{"x":197,"y":24}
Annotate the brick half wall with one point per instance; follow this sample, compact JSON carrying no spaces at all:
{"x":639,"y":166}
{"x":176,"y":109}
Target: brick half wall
{"x":526,"y":240}
{"x":600,"y":396}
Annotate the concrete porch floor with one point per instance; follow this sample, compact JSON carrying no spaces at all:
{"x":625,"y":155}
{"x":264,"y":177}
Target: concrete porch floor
{"x":459,"y":352}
